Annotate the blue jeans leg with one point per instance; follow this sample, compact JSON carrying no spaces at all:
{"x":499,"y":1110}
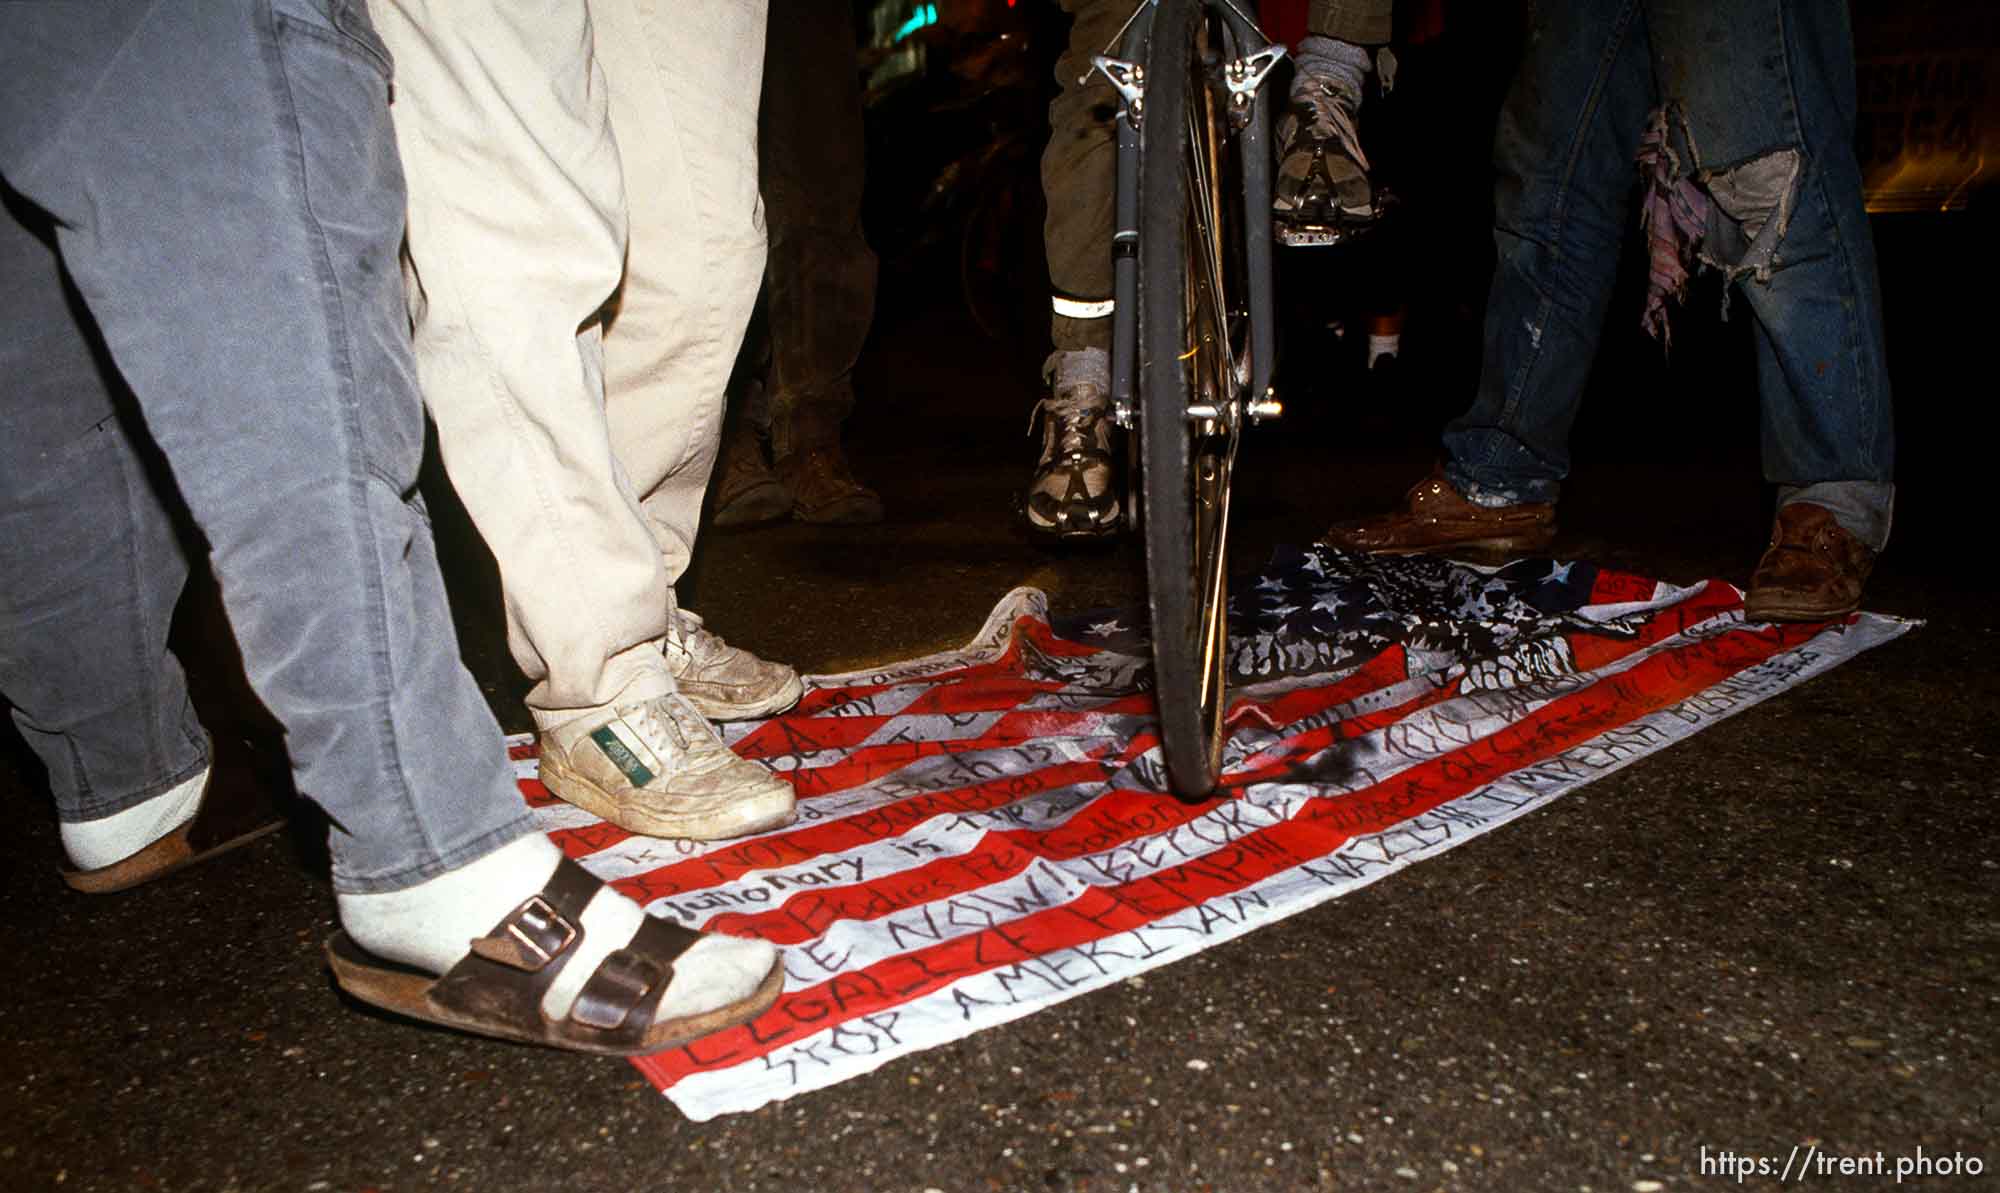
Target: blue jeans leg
{"x":1563,"y":152}
{"x":1754,"y":90}
{"x":1761,"y":96}
{"x":90,"y":564}
{"x":224,"y":180}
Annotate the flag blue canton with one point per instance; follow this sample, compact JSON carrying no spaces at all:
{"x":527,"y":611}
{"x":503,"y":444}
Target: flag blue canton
{"x":1319,"y":609}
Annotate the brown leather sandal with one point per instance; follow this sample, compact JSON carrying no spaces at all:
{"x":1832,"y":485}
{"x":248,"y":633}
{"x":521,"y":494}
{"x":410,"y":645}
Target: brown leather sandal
{"x":236,"y":809}
{"x":497,"y":989}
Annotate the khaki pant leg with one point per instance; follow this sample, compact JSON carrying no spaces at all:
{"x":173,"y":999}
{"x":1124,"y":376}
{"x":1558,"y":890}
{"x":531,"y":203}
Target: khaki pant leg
{"x":516,"y":238}
{"x":684,"y":77}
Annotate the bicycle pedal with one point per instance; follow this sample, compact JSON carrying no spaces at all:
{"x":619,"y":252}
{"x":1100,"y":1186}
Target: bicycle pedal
{"x":1309,"y":236}
{"x":1299,"y":231}
{"x":1319,"y":235}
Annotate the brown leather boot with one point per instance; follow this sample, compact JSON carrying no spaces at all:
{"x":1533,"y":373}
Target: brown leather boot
{"x":747,"y":491}
{"x":1812,"y":571}
{"x":1434,"y":516}
{"x":824,"y":491}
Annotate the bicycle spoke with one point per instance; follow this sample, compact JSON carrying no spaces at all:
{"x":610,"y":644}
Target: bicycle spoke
{"x":1204,"y":190}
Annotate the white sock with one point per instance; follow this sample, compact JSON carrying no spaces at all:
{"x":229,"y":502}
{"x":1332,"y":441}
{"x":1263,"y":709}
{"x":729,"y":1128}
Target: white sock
{"x":432,"y":926}
{"x":1341,"y":63}
{"x":95,"y":844}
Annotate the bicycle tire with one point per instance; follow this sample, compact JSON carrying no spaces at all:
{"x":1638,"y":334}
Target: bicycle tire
{"x":1191,"y":222}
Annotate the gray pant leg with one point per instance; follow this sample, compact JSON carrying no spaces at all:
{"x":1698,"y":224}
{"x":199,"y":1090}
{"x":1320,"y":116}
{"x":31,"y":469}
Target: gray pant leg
{"x":225,"y":180}
{"x":90,"y":564}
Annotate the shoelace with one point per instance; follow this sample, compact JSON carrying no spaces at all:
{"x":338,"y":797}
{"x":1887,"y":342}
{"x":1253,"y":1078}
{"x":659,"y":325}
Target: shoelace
{"x":1333,"y":120}
{"x":1075,"y":414}
{"x":692,"y":636}
{"x":656,"y":720}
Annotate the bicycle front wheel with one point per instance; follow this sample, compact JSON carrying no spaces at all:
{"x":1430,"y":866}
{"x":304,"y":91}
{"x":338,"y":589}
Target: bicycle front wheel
{"x":1192,"y":372}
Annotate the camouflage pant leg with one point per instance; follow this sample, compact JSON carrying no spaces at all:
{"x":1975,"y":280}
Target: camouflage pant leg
{"x":1363,"y":22}
{"x":1079,"y":170}
{"x":1079,"y":165}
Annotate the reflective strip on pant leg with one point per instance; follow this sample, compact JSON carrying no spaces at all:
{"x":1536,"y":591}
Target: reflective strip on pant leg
{"x":1070,"y":308}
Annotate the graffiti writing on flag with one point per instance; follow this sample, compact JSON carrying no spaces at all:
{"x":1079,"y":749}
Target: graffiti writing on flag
{"x":982,"y":834}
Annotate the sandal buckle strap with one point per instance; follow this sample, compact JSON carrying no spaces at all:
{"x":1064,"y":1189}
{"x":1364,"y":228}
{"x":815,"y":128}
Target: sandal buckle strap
{"x":529,"y":938}
{"x":618,"y":988}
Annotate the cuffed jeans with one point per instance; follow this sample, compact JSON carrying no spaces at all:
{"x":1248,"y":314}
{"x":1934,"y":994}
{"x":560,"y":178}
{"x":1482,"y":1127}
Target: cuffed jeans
{"x":222,"y":183}
{"x":1739,"y":81}
{"x":558,"y":153}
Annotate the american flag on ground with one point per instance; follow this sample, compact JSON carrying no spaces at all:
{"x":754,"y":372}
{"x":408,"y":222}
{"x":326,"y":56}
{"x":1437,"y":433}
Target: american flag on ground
{"x":981,"y":832}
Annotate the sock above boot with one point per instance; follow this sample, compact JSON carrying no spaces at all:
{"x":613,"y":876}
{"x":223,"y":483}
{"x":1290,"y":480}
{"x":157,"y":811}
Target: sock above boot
{"x":1341,"y":64}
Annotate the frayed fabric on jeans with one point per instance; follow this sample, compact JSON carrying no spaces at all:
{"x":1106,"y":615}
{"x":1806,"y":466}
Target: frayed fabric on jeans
{"x":1674,"y":215}
{"x":1731,"y":221}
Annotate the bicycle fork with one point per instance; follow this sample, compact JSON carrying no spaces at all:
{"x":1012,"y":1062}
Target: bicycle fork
{"x":1244,"y":75}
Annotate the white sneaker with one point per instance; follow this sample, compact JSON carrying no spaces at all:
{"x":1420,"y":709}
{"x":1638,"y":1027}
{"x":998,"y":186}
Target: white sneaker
{"x":657,"y":767}
{"x":723,"y":682}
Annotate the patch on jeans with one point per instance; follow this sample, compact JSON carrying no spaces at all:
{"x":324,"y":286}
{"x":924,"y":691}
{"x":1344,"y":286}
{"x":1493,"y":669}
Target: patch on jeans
{"x":1757,"y":199}
{"x":1728,"y":220}
{"x":621,"y":756}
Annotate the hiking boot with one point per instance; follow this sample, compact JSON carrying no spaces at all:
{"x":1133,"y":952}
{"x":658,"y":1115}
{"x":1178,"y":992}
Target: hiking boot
{"x":747,"y":491}
{"x":1074,"y":493}
{"x":1323,"y":191}
{"x":824,"y":492}
{"x":1812,"y":571}
{"x":724,"y":682}
{"x":656,"y":767}
{"x":1435,"y":517}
